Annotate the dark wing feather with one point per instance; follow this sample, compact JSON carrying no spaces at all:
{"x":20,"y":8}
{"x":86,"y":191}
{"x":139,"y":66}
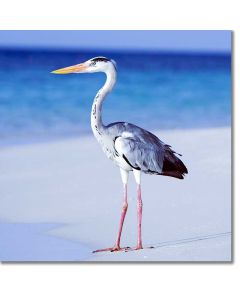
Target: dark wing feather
{"x":172,"y":165}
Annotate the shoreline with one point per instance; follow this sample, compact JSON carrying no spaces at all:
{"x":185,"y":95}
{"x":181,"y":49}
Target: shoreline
{"x":65,"y":137}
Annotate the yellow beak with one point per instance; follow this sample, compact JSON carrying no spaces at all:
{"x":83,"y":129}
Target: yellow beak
{"x":72,"y":69}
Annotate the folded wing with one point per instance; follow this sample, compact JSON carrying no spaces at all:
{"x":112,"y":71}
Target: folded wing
{"x":150,"y":155}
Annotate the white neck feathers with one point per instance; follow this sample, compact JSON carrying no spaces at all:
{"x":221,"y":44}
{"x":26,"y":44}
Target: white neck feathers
{"x":96,"y":114}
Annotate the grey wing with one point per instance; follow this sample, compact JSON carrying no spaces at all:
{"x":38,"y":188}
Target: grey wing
{"x":141,"y":156}
{"x":144,"y":151}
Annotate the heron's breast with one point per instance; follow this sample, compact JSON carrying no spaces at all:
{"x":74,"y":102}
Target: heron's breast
{"x":120,"y":161}
{"x":107,"y":145}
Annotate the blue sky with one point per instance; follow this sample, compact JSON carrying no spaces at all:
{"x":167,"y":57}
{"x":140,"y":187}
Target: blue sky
{"x":174,"y":40}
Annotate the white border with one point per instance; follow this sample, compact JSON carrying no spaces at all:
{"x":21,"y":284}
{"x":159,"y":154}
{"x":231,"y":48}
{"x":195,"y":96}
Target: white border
{"x":124,"y":14}
{"x":132,"y":281}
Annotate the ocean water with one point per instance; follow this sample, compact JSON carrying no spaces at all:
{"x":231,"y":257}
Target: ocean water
{"x":153,"y":90}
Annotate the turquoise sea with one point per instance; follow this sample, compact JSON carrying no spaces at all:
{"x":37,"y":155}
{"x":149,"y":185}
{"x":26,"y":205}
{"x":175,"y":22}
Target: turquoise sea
{"x":154,"y":91}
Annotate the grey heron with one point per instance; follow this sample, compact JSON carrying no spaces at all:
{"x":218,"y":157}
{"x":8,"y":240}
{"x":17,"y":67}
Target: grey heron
{"x":128,"y":146}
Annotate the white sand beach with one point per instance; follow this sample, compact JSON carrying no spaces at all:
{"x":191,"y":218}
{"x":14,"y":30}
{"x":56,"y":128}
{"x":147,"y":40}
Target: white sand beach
{"x":72,"y":184}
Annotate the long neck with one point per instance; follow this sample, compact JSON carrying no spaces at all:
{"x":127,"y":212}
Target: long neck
{"x":96,"y":114}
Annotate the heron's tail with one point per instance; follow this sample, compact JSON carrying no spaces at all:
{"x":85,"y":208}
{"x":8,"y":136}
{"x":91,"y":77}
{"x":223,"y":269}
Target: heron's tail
{"x":173,"y":166}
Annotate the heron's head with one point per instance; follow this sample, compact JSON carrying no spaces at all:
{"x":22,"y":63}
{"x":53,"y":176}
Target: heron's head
{"x":96,"y":64}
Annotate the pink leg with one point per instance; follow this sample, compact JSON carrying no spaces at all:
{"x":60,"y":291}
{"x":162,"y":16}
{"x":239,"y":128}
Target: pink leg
{"x":117,"y":247}
{"x":140,"y":207}
{"x":123,"y":214}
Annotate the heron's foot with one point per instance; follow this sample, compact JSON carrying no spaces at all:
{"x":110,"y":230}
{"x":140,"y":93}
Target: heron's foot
{"x":112,"y":249}
{"x":139,"y":247}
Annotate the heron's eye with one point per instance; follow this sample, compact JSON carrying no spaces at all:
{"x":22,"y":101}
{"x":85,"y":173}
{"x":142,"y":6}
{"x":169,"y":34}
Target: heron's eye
{"x":93,"y":63}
